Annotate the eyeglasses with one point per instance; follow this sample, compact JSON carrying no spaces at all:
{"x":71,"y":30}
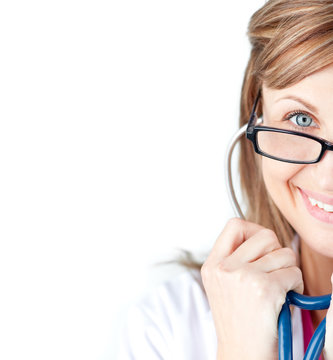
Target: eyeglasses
{"x":285,"y":145}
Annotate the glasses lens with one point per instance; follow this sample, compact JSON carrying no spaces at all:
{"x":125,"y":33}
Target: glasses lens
{"x":288,"y":146}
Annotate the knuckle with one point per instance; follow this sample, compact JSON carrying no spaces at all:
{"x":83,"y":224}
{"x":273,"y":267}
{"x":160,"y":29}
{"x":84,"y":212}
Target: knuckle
{"x":290,"y":253}
{"x":235,"y":222}
{"x":270,"y":238}
{"x":261,"y":286}
{"x":205,"y":271}
{"x":209,"y":271}
{"x":275,"y":292}
{"x":243,"y":274}
{"x":223,"y":267}
{"x":268,"y":233}
{"x":269,"y":257}
{"x":298,"y":271}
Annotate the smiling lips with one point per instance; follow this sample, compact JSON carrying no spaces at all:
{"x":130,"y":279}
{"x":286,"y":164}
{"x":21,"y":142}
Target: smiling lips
{"x":319,"y":206}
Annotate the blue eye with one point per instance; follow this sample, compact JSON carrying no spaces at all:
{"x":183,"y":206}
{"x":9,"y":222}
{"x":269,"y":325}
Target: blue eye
{"x":301,"y":119}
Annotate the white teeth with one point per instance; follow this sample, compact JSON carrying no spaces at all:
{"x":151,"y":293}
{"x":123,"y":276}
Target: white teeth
{"x":312,"y":201}
{"x":326,"y":207}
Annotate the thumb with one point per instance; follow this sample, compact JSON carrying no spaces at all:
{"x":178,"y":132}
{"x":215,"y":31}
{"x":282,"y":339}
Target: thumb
{"x":328,"y":347}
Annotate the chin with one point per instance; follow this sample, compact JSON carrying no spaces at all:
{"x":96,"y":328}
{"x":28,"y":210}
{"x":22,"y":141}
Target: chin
{"x":318,"y":236}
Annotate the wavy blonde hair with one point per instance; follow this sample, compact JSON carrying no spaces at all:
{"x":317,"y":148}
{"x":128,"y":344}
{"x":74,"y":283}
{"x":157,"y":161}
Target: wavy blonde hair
{"x":290,"y":40}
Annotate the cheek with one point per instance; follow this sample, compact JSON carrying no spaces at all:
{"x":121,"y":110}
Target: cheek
{"x":275,"y":173}
{"x":280,"y":180}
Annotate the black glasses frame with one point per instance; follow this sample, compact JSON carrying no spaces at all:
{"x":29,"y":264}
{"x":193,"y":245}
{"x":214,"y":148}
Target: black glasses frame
{"x":252,"y":134}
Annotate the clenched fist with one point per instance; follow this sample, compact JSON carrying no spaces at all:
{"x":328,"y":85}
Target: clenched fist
{"x":246,"y":277}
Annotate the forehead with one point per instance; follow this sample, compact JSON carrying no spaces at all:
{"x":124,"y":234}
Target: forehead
{"x":316,"y":88}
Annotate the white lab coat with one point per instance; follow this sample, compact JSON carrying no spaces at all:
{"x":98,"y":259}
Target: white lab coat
{"x":175,"y":323}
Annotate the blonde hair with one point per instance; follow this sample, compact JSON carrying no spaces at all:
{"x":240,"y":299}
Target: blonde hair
{"x":290,"y":39}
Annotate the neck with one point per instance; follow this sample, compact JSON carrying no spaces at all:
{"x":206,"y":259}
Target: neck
{"x":317,"y":270}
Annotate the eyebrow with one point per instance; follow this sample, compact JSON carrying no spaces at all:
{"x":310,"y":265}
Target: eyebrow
{"x":312,"y":108}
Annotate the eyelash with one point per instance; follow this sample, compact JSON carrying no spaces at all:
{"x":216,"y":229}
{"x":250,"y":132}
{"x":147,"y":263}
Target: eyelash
{"x":299,"y":112}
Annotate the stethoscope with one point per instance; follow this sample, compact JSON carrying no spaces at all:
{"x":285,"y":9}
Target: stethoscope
{"x":304,"y":302}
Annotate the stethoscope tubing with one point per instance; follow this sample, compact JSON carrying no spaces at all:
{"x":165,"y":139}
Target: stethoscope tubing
{"x":317,"y":341}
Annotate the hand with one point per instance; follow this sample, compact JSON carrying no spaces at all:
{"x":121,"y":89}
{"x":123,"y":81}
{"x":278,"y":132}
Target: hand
{"x":246,"y":277}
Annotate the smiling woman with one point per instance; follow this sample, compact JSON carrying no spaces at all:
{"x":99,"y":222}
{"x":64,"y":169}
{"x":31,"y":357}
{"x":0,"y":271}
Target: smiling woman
{"x":286,"y":242}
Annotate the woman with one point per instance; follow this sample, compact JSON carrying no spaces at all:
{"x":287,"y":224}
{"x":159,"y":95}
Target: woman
{"x":289,"y":205}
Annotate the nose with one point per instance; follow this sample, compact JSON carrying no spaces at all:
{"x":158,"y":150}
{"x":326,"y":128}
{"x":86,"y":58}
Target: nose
{"x":324,"y":172}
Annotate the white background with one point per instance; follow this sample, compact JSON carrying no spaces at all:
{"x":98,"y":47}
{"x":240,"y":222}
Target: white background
{"x":114,"y":120}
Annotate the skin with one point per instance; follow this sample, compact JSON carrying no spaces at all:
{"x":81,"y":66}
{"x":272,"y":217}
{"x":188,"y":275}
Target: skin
{"x":247,"y":274}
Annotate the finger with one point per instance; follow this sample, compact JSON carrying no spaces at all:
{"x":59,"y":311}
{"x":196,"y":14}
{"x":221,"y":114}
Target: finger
{"x":263,"y":242}
{"x":235,"y":233}
{"x":277,"y":259}
{"x":289,"y":278}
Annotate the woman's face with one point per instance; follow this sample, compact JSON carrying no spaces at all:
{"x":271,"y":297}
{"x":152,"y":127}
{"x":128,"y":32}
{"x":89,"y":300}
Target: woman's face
{"x":303,"y":193}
